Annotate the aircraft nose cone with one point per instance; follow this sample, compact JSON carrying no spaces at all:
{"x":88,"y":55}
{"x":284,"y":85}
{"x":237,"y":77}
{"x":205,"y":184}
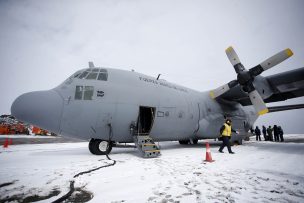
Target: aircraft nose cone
{"x":41,"y":108}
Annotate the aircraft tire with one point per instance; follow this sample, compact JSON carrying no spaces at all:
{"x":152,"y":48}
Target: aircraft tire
{"x":240,"y":141}
{"x":91,"y":146}
{"x":195,"y":141}
{"x":100,"y":147}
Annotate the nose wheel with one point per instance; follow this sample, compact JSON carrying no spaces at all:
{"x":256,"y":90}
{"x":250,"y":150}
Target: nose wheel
{"x":100,"y":147}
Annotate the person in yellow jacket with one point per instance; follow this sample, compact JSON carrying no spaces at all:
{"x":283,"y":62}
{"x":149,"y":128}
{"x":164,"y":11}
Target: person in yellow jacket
{"x":225,"y":131}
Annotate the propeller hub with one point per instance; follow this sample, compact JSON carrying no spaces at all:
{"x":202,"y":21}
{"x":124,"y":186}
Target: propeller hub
{"x":244,"y":78}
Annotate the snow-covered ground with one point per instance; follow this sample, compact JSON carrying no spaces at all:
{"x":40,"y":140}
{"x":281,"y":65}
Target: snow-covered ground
{"x":258,"y":172}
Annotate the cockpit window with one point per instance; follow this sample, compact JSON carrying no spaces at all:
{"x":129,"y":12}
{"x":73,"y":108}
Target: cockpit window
{"x":93,"y":74}
{"x":103,"y":76}
{"x":83,"y":75}
{"x":76,"y":74}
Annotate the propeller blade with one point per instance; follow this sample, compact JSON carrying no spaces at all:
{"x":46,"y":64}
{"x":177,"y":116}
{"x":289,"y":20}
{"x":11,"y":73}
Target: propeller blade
{"x":232,"y":56}
{"x":258,"y":102}
{"x":222,"y":89}
{"x":270,"y":62}
{"x":234,"y":59}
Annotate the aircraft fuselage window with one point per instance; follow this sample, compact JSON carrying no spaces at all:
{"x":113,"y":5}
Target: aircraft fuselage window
{"x":84,"y":92}
{"x":88,"y":92}
{"x":78,"y":92}
{"x":160,"y":114}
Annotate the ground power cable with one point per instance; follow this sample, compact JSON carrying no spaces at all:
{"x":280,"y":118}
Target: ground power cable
{"x":72,"y":182}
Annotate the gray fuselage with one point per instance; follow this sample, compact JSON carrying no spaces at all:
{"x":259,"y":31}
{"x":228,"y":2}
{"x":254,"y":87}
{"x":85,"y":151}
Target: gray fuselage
{"x":85,"y":108}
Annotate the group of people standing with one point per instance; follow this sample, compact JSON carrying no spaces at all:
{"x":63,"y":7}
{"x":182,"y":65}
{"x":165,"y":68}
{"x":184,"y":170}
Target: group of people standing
{"x":270,"y":134}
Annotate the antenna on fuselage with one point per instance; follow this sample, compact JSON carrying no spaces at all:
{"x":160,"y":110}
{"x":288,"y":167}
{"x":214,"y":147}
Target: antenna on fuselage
{"x":91,"y":64}
{"x":158,"y":76}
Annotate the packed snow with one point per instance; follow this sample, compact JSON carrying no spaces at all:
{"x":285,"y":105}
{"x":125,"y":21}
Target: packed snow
{"x":258,"y":172}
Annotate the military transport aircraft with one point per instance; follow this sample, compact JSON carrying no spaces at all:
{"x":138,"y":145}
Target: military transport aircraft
{"x":109,"y":106}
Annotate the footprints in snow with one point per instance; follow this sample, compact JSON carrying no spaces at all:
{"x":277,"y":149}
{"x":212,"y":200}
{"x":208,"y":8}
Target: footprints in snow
{"x":202,"y":183}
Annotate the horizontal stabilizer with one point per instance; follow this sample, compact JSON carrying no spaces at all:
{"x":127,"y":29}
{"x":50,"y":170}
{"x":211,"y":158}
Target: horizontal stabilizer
{"x":285,"y":108}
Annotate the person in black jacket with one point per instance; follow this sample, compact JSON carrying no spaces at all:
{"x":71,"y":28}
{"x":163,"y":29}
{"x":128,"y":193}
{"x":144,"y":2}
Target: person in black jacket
{"x":264,"y":133}
{"x":251,"y":130}
{"x":269,"y":133}
{"x":281,"y":133}
{"x":276,"y":133}
{"x":257,"y":133}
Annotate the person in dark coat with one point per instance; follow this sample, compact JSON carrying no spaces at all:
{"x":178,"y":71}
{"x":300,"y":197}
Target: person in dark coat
{"x":264,"y":133}
{"x":276,"y":133}
{"x":269,"y":133}
{"x":225,"y":131}
{"x":257,"y":133}
{"x":251,"y":130}
{"x":281,"y":133}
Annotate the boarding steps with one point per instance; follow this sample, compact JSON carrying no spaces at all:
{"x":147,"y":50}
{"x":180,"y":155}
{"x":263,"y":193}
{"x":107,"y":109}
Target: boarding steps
{"x":146,"y":145}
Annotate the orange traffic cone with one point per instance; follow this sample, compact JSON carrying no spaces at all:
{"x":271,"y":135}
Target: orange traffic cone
{"x":5,"y":144}
{"x":10,"y":142}
{"x":208,"y":153}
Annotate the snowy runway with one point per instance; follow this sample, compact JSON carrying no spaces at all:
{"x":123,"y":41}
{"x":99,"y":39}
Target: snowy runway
{"x":258,"y":172}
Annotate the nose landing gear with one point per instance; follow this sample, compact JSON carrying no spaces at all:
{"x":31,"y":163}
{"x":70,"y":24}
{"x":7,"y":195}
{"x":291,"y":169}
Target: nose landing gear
{"x":100,"y":147}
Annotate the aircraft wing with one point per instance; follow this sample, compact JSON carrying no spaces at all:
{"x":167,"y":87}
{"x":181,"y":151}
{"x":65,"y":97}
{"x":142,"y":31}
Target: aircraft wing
{"x":274,"y":88}
{"x":285,"y":108}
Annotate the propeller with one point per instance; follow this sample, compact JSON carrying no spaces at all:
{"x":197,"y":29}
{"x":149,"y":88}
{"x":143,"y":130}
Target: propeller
{"x":245,"y":77}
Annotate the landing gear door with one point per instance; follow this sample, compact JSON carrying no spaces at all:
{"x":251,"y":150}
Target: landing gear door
{"x":104,"y":120}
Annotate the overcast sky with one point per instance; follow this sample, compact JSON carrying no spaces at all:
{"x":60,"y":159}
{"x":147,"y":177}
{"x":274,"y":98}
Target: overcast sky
{"x":44,"y":42}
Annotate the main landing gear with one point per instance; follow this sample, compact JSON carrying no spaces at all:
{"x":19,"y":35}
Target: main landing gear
{"x":100,"y":147}
{"x":184,"y":142}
